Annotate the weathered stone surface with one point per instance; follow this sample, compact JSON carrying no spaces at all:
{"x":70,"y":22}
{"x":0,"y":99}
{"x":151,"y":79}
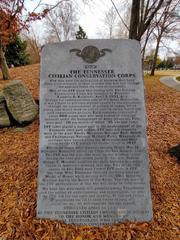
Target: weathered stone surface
{"x":2,"y":99}
{"x":4,"y":118}
{"x":93,"y":147}
{"x":20,"y":102}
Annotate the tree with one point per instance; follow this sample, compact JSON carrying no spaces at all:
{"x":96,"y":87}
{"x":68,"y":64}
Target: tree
{"x":142,"y":14}
{"x":162,"y":64}
{"x":12,"y":21}
{"x":146,"y":38}
{"x":33,"y":45}
{"x":123,"y":30}
{"x":8,"y":27}
{"x":81,"y":34}
{"x":16,"y":54}
{"x":110,"y":21}
{"x":61,"y":22}
{"x":33,"y":50}
{"x":169,"y":63}
{"x":166,"y":23}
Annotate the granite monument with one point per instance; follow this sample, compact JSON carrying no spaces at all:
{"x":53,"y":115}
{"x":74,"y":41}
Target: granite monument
{"x":93,"y":156}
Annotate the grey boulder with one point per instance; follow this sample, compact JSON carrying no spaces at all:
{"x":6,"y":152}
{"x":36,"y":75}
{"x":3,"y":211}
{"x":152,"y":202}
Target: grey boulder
{"x":20,"y":102}
{"x":4,"y":118}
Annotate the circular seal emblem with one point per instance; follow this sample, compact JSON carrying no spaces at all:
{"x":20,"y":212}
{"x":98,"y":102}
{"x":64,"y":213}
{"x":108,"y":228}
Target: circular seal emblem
{"x":90,"y":54}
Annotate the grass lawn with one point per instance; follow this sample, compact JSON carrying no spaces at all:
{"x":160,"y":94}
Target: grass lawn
{"x":19,"y":167}
{"x":168,"y":72}
{"x":178,"y":78}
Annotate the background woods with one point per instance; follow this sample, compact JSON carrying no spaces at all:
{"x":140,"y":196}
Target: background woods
{"x":154,"y":23}
{"x":14,"y":17}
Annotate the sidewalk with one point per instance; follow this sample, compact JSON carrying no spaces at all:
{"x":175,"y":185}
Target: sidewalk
{"x":170,"y":82}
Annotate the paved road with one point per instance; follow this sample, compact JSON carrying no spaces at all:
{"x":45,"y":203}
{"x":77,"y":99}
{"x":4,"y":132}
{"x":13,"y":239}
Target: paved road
{"x":170,"y":82}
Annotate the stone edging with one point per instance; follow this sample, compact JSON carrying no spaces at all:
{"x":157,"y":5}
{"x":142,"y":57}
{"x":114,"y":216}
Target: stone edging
{"x":174,"y":78}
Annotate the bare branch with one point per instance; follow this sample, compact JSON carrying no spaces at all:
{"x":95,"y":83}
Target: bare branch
{"x":120,"y":15}
{"x":61,"y":22}
{"x":169,"y":48}
{"x":51,"y":7}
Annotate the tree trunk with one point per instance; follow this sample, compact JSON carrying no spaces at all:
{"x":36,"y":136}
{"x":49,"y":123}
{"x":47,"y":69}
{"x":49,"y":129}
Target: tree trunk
{"x":155,"y":56}
{"x":144,"y":50}
{"x":3,"y":65}
{"x":148,"y":33}
{"x":134,"y":23}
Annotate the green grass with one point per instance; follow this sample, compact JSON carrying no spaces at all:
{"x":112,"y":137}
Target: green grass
{"x":178,"y":78}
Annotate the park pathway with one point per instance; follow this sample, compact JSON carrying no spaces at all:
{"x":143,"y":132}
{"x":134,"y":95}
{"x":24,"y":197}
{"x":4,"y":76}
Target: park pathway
{"x":170,"y":82}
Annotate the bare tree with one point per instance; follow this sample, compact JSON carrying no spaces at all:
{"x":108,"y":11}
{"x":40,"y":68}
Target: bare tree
{"x":146,"y":38}
{"x":110,"y":22}
{"x":166,"y":26}
{"x":33,"y":45}
{"x":123,"y":30}
{"x":61,"y":22}
{"x":142,"y":14}
{"x":123,"y":3}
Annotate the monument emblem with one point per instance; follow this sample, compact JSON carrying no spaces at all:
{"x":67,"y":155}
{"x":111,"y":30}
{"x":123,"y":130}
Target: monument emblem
{"x":90,"y":54}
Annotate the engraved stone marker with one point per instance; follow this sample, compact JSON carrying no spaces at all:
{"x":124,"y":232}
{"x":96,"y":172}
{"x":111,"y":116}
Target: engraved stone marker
{"x":4,"y":118}
{"x":20,"y":102}
{"x":93,"y":165}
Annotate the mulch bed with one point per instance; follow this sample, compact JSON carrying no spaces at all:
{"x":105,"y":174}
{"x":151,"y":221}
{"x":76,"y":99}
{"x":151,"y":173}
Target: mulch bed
{"x":19,"y":168}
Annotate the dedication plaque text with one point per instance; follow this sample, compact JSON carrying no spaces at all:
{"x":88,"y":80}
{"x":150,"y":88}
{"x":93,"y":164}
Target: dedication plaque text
{"x":93,"y":163}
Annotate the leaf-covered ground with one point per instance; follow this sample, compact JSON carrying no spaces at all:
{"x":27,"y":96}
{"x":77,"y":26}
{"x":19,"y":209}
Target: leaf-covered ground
{"x":19,"y":166}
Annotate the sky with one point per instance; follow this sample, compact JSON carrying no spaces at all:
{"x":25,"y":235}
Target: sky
{"x":90,"y":18}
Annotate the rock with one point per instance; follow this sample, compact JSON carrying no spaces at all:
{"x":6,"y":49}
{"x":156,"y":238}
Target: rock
{"x":4,"y":118}
{"x":1,"y":97}
{"x":175,"y":152}
{"x":20,"y":102}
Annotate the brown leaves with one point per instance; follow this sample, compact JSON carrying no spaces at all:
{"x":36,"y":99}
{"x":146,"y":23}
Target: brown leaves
{"x":14,"y":18}
{"x":19,"y":166}
{"x":79,"y":238}
{"x":8,"y":26}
